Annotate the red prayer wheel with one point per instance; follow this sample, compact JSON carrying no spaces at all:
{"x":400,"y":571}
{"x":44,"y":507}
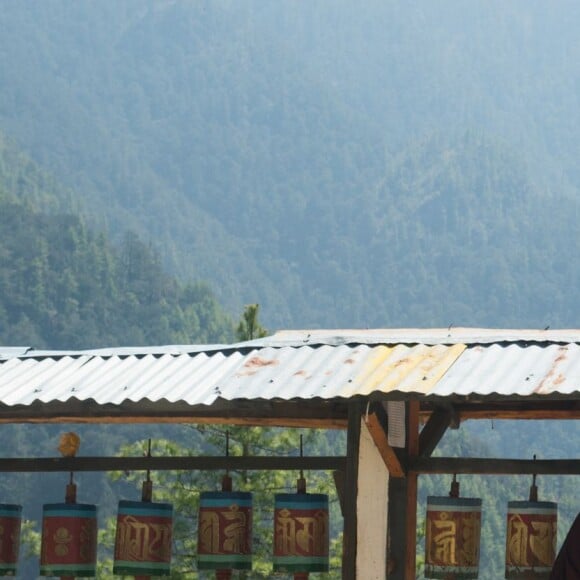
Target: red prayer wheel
{"x":143,"y":539}
{"x":10,"y":522}
{"x":225,"y":532}
{"x":452,"y":536}
{"x":531,"y":539}
{"x":301,"y":533}
{"x":69,"y":540}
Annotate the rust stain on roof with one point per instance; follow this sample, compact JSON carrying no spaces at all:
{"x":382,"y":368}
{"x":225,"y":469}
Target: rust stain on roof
{"x":254,"y":364}
{"x":559,"y":379}
{"x":257,"y":361}
{"x":401,"y":362}
{"x":547,"y":380}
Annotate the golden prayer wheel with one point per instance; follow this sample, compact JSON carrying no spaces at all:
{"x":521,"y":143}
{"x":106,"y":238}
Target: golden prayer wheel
{"x":143,"y":539}
{"x":532,"y":529}
{"x":531,"y":539}
{"x":225,"y":531}
{"x":143,"y":536}
{"x":10,"y":523}
{"x":452,"y":536}
{"x":301,"y":533}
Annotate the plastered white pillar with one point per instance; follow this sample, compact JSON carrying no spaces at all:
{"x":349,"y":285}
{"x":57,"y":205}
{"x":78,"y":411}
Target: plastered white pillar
{"x":372,"y":511}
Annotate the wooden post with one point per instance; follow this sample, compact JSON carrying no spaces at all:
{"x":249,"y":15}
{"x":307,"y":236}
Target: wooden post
{"x":351,"y":492}
{"x":372,"y":509}
{"x":396,"y":529}
{"x":411,"y":528}
{"x":402,"y":539}
{"x":365,"y":501}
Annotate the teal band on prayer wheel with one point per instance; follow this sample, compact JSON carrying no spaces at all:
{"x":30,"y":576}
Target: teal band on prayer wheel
{"x":300,"y":533}
{"x":143,"y":539}
{"x":69,"y":540}
{"x":452,"y":537}
{"x":532,"y":528}
{"x":225,"y":531}
{"x":10,"y":523}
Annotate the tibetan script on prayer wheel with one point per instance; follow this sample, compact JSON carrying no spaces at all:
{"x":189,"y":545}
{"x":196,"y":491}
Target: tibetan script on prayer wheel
{"x":531,"y":539}
{"x":452,"y":537}
{"x":10,"y":523}
{"x":69,"y":540}
{"x":301,"y":533}
{"x":225,"y":531}
{"x":143,"y":539}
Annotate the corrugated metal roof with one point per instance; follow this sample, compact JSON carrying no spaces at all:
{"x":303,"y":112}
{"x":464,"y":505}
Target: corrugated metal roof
{"x":451,"y":335}
{"x":12,"y":351}
{"x":199,"y":378}
{"x":514,"y":370}
{"x":174,"y":349}
{"x":343,"y":371}
{"x":282,"y":369}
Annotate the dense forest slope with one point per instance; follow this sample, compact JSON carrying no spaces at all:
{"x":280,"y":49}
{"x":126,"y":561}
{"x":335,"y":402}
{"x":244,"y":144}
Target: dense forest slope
{"x":381,"y":164}
{"x":64,"y":286}
{"x":357,"y":165}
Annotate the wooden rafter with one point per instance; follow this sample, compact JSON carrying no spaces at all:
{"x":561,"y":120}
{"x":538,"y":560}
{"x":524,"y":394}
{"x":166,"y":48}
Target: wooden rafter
{"x":433,"y":431}
{"x":377,"y":430}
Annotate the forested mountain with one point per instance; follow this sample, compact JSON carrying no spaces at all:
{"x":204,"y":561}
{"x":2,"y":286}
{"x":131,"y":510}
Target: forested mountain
{"x":65,"y":286}
{"x":380,"y":164}
{"x":344,"y":164}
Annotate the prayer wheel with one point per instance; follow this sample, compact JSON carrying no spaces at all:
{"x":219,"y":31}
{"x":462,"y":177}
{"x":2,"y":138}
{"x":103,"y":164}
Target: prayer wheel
{"x":10,"y":521}
{"x":531,"y":539}
{"x":452,"y":535}
{"x":225,"y":531}
{"x":301,"y":533}
{"x":532,"y":529}
{"x":69,"y":540}
{"x":143,"y":539}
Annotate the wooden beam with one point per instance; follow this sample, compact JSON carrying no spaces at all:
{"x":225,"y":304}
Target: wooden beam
{"x":481,"y":466}
{"x":411,"y":529}
{"x":285,"y":422}
{"x":523,"y":414}
{"x":351,"y":489}
{"x":525,"y":408}
{"x":197,"y":463}
{"x":433,"y":431}
{"x":312,"y":413}
{"x":388,"y":455}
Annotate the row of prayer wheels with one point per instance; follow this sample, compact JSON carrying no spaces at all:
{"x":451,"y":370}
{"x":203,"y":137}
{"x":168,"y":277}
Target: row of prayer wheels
{"x":453,"y":531}
{"x":143,"y":539}
{"x":300,"y":532}
{"x":144,"y":534}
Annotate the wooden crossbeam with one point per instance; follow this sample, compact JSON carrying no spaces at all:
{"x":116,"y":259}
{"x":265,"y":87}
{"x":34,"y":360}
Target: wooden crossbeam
{"x":522,"y":409}
{"x":484,"y":466}
{"x":197,"y":463}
